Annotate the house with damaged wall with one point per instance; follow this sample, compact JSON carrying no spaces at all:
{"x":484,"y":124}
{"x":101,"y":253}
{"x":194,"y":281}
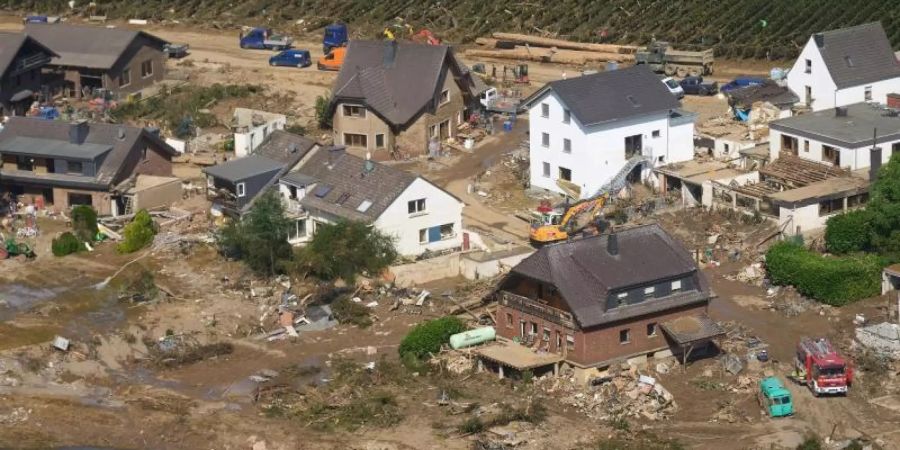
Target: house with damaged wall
{"x":114,"y":168}
{"x":628,"y":295}
{"x":119,"y":60}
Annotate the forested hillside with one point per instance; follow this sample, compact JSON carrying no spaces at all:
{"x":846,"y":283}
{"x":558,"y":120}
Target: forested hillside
{"x":736,"y":28}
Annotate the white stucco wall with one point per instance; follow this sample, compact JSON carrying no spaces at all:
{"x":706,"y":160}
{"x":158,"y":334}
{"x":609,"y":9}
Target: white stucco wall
{"x":440,"y":208}
{"x":598,"y":152}
{"x":729,"y":148}
{"x":852,"y":158}
{"x":806,"y":217}
{"x":245,"y":143}
{"x":824,"y":91}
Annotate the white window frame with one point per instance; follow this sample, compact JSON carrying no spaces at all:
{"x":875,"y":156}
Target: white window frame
{"x":567,"y":116}
{"x":567,"y":145}
{"x":452,"y":231}
{"x":807,"y":68}
{"x":344,"y":109}
{"x":676,"y":285}
{"x":546,"y":169}
{"x":210,"y":182}
{"x":655,"y":133}
{"x":423,"y":236}
{"x":655,"y":332}
{"x":627,"y":336}
{"x":560,"y":170}
{"x":122,"y":77}
{"x":149,"y":72}
{"x":649,"y":291}
{"x":545,"y":142}
{"x":545,"y":110}
{"x":240,"y":189}
{"x":445,"y":97}
{"x":417,"y":210}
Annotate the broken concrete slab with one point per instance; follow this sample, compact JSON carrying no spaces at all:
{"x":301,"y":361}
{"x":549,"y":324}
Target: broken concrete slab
{"x":882,"y":338}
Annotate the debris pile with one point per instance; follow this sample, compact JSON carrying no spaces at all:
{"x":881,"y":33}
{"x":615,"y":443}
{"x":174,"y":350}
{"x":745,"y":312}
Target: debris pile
{"x":621,"y":394}
{"x":881,"y":338}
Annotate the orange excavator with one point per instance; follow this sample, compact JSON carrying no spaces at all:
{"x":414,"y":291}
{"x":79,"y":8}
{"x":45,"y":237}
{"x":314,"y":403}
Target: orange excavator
{"x":549,"y":225}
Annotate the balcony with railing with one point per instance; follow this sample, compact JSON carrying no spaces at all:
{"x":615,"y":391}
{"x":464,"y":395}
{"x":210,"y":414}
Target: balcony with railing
{"x":534,"y":308}
{"x":29,"y":63}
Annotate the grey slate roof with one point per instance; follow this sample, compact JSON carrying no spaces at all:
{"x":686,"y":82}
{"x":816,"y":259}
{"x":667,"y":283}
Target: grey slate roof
{"x":86,"y":46}
{"x":767,"y":92}
{"x":852,"y":131}
{"x":285,"y":147}
{"x":585,"y":273}
{"x":857,"y":55}
{"x":104,"y":134}
{"x":610,"y":96}
{"x":351,"y":184}
{"x":243,"y":168}
{"x":10,"y":44}
{"x":53,"y":148}
{"x":397,"y":92}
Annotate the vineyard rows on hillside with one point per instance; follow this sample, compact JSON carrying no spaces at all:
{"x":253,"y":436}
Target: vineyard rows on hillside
{"x":735,"y":28}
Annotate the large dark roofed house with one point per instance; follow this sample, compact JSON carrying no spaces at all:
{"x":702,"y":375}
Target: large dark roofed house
{"x":78,"y":163}
{"x":845,"y":66}
{"x":608,"y":298}
{"x":21,"y":60}
{"x":120,"y":60}
{"x":398,"y":95}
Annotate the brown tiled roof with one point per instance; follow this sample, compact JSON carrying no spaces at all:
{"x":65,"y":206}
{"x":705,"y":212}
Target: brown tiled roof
{"x":585,"y":272}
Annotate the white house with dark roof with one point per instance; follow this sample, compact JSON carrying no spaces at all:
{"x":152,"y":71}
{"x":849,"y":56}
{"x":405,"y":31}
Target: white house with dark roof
{"x":845,"y":66}
{"x":587,"y":130}
{"x":330,"y":185}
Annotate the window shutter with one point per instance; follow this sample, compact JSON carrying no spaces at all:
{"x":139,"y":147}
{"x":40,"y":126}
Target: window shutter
{"x":434,"y":234}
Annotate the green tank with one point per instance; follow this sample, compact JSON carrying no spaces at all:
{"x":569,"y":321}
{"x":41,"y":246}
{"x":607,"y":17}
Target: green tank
{"x":472,"y":337}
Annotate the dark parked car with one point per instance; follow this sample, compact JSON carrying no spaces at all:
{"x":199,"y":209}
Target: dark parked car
{"x":696,"y":86}
{"x":741,"y":82}
{"x":292,"y":58}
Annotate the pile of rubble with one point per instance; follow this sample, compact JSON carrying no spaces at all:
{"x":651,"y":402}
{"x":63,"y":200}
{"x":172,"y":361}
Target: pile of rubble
{"x":881,"y":338}
{"x":624,"y":393}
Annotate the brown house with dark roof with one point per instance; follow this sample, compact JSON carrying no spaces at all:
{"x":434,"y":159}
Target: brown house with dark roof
{"x":67,"y":164}
{"x":21,"y":60}
{"x":608,"y":298}
{"x":120,"y":60}
{"x":397,"y":96}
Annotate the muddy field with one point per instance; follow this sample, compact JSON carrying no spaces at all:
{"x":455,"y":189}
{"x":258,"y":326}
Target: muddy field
{"x":231,"y":387}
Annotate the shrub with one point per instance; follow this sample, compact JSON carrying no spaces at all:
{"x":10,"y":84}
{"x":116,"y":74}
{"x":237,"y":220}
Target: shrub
{"x":66,"y":244}
{"x":137,"y":234}
{"x":832,"y":280}
{"x":849,"y":232}
{"x":260,"y":237}
{"x":84,"y":223}
{"x":346,"y":311}
{"x":427,"y":337}
{"x":323,"y":111}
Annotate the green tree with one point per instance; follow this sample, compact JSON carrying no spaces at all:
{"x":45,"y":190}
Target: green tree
{"x":850,"y":232}
{"x":884,"y":206}
{"x":323,"y":111}
{"x":426,"y":338}
{"x":137,"y":234}
{"x":346,"y":249}
{"x":84,"y":223}
{"x":260,"y":237}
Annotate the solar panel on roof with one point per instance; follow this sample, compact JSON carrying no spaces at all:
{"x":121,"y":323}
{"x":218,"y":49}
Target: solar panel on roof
{"x":364,"y":206}
{"x":322,"y":191}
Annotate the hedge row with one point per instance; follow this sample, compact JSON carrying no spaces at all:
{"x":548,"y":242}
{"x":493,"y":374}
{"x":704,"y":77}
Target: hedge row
{"x":832,"y":280}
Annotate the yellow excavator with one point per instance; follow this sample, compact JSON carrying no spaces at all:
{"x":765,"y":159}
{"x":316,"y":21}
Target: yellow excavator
{"x":549,"y":225}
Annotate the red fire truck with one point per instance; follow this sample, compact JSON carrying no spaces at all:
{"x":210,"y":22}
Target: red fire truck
{"x":821,"y":368}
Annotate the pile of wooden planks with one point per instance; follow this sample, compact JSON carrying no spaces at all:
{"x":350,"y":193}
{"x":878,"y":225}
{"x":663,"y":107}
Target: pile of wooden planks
{"x":524,"y":47}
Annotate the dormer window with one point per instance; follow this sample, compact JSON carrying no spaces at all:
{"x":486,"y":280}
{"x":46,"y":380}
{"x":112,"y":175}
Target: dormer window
{"x":241,"y":189}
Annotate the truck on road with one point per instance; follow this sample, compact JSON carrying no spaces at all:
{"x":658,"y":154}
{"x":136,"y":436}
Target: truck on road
{"x":821,"y":368}
{"x":264,"y":39}
{"x":335,"y":36}
{"x":662,"y":58}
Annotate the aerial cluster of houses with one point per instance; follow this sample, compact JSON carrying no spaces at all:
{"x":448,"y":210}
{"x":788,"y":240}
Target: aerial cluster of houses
{"x":624,"y":295}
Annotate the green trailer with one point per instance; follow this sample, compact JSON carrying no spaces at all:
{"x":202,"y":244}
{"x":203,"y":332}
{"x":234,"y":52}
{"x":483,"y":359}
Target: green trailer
{"x":775,"y":398}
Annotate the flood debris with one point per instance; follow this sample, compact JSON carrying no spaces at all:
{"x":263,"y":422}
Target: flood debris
{"x":60,"y":343}
{"x":178,"y":350}
{"x":881,"y":338}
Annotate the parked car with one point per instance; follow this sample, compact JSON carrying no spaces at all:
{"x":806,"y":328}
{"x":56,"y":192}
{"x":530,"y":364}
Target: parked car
{"x":292,"y":58}
{"x":176,"y":50}
{"x":741,"y":82}
{"x":696,"y":86}
{"x":674,"y":87}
